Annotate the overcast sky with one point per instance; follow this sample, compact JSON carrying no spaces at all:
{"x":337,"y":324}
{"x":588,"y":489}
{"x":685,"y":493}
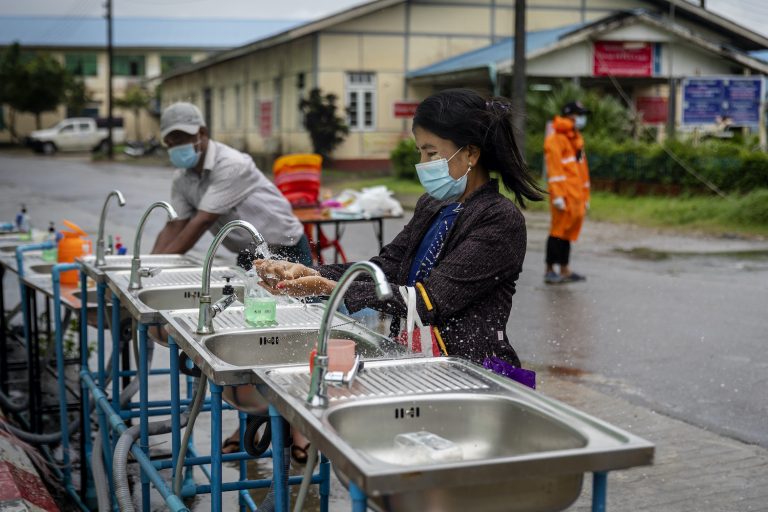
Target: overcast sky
{"x":750,"y":13}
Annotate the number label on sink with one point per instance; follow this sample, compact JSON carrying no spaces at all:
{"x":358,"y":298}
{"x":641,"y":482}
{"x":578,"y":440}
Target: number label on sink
{"x":192,"y":294}
{"x":269,"y":340}
{"x":411,"y":412}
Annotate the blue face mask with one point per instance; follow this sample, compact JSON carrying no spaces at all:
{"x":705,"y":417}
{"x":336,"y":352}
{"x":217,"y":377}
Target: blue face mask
{"x":436,"y":179}
{"x":580,"y":122}
{"x":184,"y":156}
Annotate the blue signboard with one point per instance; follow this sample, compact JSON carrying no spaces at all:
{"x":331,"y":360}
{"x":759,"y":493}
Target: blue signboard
{"x":709,"y":100}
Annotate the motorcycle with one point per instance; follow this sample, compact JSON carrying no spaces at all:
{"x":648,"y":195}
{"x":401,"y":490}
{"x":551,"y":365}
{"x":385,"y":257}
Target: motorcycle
{"x":139,"y":148}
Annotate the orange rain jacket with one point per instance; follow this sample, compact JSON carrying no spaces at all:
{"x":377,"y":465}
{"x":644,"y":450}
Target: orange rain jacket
{"x":568,"y":177}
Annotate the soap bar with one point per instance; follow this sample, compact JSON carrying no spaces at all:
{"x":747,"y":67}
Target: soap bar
{"x":434,"y":447}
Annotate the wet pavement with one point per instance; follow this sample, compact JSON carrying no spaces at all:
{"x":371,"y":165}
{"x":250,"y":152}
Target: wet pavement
{"x":669,"y":323}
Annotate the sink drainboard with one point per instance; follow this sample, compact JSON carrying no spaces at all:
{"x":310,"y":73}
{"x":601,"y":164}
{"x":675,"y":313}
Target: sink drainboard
{"x":383,"y":381}
{"x":288,"y":317}
{"x":180,"y":277}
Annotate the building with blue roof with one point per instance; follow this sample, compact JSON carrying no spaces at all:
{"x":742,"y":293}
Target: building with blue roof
{"x":144,"y":49}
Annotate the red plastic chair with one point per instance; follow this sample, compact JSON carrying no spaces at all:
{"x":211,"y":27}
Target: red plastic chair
{"x":297,"y":176}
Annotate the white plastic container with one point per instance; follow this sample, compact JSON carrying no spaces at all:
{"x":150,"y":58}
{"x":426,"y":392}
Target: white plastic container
{"x":426,"y":447}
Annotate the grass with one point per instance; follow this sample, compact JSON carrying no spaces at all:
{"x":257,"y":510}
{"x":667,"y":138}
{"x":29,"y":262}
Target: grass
{"x":742,"y":215}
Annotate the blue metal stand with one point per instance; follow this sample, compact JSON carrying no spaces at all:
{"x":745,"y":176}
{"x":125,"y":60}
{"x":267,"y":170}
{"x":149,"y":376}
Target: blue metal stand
{"x":359,"y":499}
{"x":216,"y":474}
{"x":144,"y":410}
{"x":599,"y":490}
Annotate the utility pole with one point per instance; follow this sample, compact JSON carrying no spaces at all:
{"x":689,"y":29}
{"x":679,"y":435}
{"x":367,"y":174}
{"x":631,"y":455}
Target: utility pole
{"x":110,"y":119}
{"x":518,"y":76}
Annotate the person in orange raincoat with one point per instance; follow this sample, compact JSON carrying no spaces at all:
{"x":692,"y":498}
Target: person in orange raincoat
{"x":568,"y":182}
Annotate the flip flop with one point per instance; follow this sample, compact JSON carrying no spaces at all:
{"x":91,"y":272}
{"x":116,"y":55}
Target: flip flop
{"x":231,"y":444}
{"x":299,"y":454}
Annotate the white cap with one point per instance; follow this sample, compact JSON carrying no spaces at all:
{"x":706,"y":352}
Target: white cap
{"x":181,"y":116}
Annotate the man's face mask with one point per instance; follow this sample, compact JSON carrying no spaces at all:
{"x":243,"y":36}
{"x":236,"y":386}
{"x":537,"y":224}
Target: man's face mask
{"x":436,"y":179}
{"x":184,"y":156}
{"x":580,"y":122}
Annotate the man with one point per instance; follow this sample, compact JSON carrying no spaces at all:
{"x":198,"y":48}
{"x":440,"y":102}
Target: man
{"x":568,"y":181}
{"x":215,"y":184}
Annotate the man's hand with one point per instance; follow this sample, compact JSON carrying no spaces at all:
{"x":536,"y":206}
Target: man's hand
{"x":559,"y":203}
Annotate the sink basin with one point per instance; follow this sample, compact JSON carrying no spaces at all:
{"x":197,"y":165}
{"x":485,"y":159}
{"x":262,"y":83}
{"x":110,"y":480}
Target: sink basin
{"x":42,"y":268}
{"x":172,"y":288}
{"x":231,"y":356}
{"x":179,"y":297}
{"x":484,"y":428}
{"x":123,"y":262}
{"x":277,"y":347}
{"x":517,"y":449}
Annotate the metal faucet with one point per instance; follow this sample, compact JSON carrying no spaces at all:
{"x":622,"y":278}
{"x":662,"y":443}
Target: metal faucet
{"x":318,"y":387}
{"x":101,"y":248}
{"x":208,"y":311}
{"x":137,"y":272}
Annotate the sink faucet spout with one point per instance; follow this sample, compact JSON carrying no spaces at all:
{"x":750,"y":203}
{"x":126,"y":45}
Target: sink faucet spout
{"x":207,"y":311}
{"x":136,"y":271}
{"x":101,"y":248}
{"x":318,"y":387}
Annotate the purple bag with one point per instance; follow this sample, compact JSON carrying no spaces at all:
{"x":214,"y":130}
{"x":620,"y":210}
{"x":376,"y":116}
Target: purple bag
{"x":501,"y":367}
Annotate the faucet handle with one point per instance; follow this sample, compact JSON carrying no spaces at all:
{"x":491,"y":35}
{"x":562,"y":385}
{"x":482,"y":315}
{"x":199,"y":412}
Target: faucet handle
{"x":346,"y":379}
{"x":149,"y":271}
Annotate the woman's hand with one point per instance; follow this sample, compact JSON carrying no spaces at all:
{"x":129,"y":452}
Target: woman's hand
{"x":306,"y":286}
{"x":295,"y":279}
{"x":274,"y":271}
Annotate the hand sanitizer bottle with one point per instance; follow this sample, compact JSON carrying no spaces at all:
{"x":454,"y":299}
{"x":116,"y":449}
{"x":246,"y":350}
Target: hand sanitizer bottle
{"x":260,"y":307}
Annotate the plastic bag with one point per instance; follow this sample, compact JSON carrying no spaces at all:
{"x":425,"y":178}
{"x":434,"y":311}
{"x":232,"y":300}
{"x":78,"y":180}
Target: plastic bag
{"x":369,"y":202}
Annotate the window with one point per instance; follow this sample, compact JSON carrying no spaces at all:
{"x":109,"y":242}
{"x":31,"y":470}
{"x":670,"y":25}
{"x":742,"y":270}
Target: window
{"x":255,"y":104}
{"x":81,"y":64}
{"x":238,"y":108}
{"x":277,"y":103}
{"x":69,"y":128}
{"x":222,"y":107}
{"x":169,"y":62}
{"x":84,"y":127}
{"x":361,"y":101}
{"x":128,"y":65}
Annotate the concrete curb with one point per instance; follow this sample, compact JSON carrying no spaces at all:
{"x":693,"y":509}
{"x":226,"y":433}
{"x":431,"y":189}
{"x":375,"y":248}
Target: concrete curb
{"x":21,"y":488}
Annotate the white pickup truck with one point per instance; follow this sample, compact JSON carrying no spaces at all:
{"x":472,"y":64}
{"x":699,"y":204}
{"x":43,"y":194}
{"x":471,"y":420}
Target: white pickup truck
{"x":76,"y":134}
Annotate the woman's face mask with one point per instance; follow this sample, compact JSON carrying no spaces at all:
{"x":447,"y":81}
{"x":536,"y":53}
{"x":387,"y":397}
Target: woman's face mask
{"x":184,"y":156}
{"x":436,"y":179}
{"x":580,"y":122}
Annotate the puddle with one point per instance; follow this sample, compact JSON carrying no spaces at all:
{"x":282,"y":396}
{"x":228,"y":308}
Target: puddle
{"x":648,"y":254}
{"x":565,"y":371}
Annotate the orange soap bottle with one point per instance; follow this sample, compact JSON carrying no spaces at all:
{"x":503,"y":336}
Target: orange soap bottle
{"x":73,"y":244}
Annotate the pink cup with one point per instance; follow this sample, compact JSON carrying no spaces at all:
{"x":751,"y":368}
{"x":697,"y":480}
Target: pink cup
{"x":341,"y":355}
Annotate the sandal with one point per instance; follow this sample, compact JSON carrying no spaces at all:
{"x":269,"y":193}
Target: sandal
{"x":232,"y":443}
{"x":299,"y":454}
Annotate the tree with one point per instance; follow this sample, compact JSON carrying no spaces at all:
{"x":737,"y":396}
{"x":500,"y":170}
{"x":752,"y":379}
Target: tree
{"x":135,"y":99}
{"x":35,"y":84}
{"x":326,"y":129}
{"x":77,"y":96}
{"x":608,"y":118}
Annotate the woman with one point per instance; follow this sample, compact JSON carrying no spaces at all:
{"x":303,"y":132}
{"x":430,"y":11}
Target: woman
{"x":463,"y":250}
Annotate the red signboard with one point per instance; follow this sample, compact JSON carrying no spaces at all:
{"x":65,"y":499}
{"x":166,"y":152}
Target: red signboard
{"x":405,"y":109}
{"x":623,"y":58}
{"x":653,"y":109}
{"x":265,"y":118}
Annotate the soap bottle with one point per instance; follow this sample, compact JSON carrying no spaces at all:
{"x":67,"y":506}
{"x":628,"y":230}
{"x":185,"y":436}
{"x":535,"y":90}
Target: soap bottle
{"x":51,"y":254}
{"x":24,"y":223}
{"x":260,"y":308}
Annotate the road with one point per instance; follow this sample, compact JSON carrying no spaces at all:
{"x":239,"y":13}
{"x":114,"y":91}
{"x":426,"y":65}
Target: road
{"x":673,"y":322}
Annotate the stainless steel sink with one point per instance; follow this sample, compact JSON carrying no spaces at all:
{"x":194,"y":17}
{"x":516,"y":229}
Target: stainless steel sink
{"x":178,"y":297}
{"x":517,"y":450}
{"x":123,"y":262}
{"x":42,"y":268}
{"x":172,"y":288}
{"x":230,"y":356}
